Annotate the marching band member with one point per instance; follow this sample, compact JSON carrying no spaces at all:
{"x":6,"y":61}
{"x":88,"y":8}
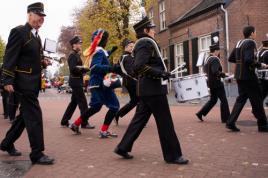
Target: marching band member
{"x":248,"y":83}
{"x":5,"y":97}
{"x":76,"y":82}
{"x":100,"y":93}
{"x":126,"y":62}
{"x":214,"y":72}
{"x":22,"y":67}
{"x":262,"y":57}
{"x":152,"y":91}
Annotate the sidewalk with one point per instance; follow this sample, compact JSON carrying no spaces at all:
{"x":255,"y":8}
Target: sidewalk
{"x":213,"y":151}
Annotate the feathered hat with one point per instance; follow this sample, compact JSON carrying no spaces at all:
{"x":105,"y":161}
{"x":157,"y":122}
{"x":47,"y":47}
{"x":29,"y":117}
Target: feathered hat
{"x":90,"y":51}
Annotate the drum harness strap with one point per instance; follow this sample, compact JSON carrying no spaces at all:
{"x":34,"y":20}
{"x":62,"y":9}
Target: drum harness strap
{"x":240,"y":61}
{"x":123,"y":68}
{"x":208,"y":61}
{"x":259,"y":56}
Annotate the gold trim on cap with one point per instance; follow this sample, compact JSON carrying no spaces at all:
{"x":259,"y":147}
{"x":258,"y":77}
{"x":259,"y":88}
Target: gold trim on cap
{"x":142,"y":24}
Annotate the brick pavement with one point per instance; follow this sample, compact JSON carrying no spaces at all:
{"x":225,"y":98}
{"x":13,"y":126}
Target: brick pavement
{"x":213,"y":151}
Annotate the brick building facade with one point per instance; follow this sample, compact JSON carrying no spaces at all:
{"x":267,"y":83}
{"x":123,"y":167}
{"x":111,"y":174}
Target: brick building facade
{"x":187,"y":28}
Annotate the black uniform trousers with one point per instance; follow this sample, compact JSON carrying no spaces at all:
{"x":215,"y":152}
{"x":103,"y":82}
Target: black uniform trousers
{"x":249,"y":89}
{"x":131,"y":104}
{"x":13,"y":104}
{"x":216,"y":93}
{"x":5,"y":102}
{"x":78,"y":98}
{"x":264,"y":86}
{"x":30,"y":117}
{"x":158,"y":106}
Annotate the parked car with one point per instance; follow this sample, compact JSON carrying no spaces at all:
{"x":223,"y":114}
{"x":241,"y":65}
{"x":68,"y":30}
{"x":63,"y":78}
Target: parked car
{"x":48,"y":84}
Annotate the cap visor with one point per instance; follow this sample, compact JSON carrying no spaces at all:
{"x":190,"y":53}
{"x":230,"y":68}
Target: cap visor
{"x":40,"y":14}
{"x":152,"y":26}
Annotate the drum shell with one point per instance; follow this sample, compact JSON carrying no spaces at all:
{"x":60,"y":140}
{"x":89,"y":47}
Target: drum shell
{"x":190,"y":87}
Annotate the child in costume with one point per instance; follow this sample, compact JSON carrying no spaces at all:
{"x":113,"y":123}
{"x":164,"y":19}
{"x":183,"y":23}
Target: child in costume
{"x":101,"y":93}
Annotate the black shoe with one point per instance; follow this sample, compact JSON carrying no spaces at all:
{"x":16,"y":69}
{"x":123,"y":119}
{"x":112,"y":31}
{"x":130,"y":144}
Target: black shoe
{"x":14,"y":152}
{"x":199,"y":116}
{"x":75,"y":129}
{"x":65,"y":124}
{"x":232,"y":128}
{"x":263,"y":128}
{"x":44,"y":160}
{"x":124,"y":154}
{"x":224,"y":121}
{"x":180,"y":160}
{"x":87,"y":126}
{"x":11,"y":152}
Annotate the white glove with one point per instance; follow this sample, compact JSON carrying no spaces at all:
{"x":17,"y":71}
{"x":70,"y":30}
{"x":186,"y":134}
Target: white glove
{"x":107,"y":82}
{"x":263,"y":66}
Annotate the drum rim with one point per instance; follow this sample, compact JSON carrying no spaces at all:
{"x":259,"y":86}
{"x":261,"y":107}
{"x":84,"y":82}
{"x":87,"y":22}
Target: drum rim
{"x":188,"y":77}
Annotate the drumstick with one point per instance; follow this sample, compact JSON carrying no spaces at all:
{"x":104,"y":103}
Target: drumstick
{"x":263,"y":70}
{"x":178,"y":72}
{"x":179,"y":67}
{"x":228,"y":78}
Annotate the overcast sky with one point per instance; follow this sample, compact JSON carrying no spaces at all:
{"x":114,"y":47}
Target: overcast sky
{"x":59,"y":12}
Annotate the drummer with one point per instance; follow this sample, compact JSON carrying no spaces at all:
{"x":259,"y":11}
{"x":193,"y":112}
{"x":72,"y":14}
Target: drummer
{"x":262,"y":55}
{"x":214,"y":72}
{"x":152,"y":91}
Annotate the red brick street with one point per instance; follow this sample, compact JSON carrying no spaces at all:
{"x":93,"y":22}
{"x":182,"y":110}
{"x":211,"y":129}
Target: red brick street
{"x":213,"y":151}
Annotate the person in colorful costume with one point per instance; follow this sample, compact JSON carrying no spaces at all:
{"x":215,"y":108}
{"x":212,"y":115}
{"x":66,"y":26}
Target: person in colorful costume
{"x":97,"y":58}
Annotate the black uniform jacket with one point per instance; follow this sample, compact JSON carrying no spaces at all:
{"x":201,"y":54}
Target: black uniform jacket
{"x":263,"y":56}
{"x":76,"y":73}
{"x":244,"y":57}
{"x":148,"y":66}
{"x":214,"y":72}
{"x":128,"y":63}
{"x":22,"y":60}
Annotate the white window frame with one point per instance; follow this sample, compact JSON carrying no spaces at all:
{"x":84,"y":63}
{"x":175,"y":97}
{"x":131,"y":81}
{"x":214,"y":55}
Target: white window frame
{"x":162,"y":15}
{"x":151,"y":15}
{"x":179,"y":55}
{"x":204,"y":48}
{"x":164,"y":53}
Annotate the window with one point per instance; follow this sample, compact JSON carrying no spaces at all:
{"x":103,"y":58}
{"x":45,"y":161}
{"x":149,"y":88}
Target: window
{"x":179,"y":56}
{"x":204,"y":43}
{"x":151,"y":16}
{"x":162,"y":15}
{"x":164,"y":53}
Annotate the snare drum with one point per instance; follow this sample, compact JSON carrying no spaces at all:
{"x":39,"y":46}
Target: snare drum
{"x":262,"y":74}
{"x":190,"y":87}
